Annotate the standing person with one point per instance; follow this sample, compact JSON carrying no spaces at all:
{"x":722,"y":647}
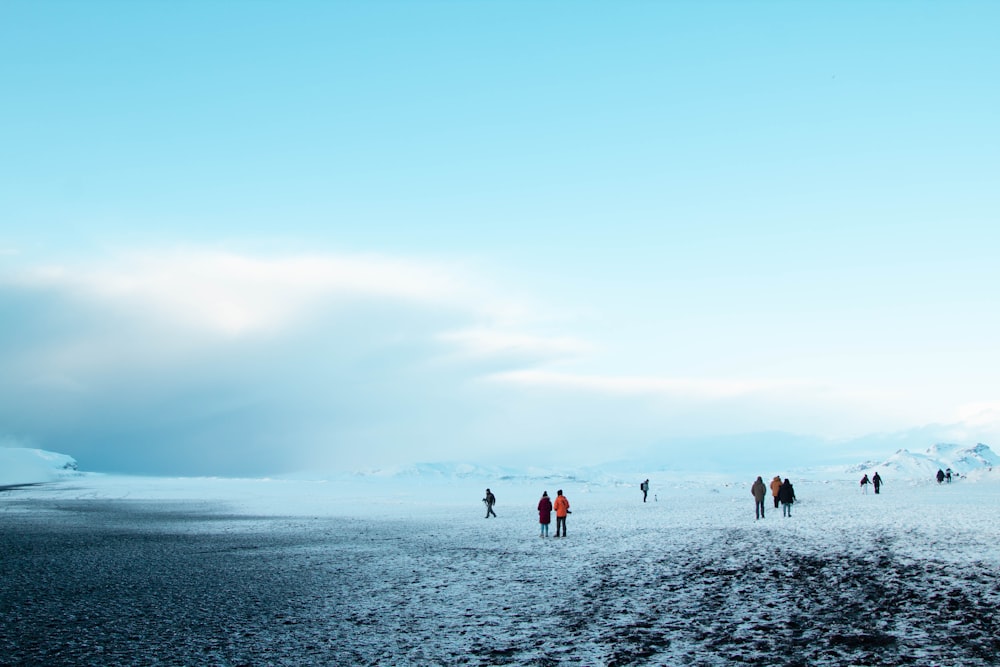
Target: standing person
{"x":645,"y":489}
{"x":561,"y":506}
{"x":876,"y":482}
{"x":545,"y":513}
{"x":947,"y":474}
{"x":775,"y":487}
{"x":864,"y":484}
{"x":786,"y":494}
{"x":490,"y":501}
{"x":940,"y":475}
{"x":758,"y":491}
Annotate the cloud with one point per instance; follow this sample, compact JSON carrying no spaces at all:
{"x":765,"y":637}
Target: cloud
{"x":198,"y":361}
{"x":231,"y":295}
{"x":624,"y":385}
{"x":494,"y":343}
{"x":212,"y":362}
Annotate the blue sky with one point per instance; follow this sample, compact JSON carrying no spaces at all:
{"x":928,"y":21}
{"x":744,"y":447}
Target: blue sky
{"x":247,"y":237}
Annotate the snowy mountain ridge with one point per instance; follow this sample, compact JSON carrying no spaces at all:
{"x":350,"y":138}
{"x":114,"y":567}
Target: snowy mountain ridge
{"x":939,"y":456}
{"x":601,"y":475}
{"x":20,"y":465}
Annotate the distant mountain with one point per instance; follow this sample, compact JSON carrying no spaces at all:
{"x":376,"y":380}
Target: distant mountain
{"x":613,"y":474}
{"x":905,"y":464}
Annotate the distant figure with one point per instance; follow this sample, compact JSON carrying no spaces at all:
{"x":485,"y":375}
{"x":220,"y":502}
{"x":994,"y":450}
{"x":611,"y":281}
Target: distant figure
{"x":561,"y":507}
{"x":947,"y":474}
{"x":758,"y":491}
{"x":645,"y":489}
{"x":864,"y":484}
{"x":775,"y":487}
{"x":786,"y":494}
{"x":876,"y":482}
{"x":545,"y":513}
{"x":940,"y":475}
{"x":490,"y":501}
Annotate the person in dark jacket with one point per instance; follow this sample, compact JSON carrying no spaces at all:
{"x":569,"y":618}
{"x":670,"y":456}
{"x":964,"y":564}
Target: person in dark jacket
{"x":864,"y":484}
{"x":876,"y":481}
{"x":644,"y":487}
{"x":786,"y":494}
{"x":758,"y":491}
{"x":545,"y":513}
{"x":940,"y":475}
{"x":490,"y":501}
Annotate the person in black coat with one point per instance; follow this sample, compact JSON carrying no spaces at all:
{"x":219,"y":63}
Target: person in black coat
{"x":490,"y":501}
{"x":786,"y":495}
{"x":876,"y":481}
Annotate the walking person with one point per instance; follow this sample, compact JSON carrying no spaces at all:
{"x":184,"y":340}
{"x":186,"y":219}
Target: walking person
{"x":758,"y":491}
{"x":490,"y":501}
{"x":786,"y":494}
{"x":775,"y":487}
{"x":561,"y":506}
{"x":644,"y":487}
{"x":940,"y":475}
{"x":545,"y":513}
{"x":864,"y":484}
{"x":876,"y":482}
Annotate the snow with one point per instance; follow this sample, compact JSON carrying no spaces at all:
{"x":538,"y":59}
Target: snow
{"x":924,"y":465}
{"x":24,"y":465}
{"x":409,"y":572}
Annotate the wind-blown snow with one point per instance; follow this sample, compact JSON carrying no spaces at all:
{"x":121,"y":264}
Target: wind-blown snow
{"x":23,"y":465}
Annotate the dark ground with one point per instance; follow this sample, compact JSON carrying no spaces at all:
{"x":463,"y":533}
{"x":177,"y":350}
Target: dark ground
{"x":92,"y":582}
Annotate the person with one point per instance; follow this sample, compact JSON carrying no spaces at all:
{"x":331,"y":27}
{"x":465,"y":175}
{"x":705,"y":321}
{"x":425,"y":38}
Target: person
{"x":561,"y":506}
{"x":876,"y":482}
{"x":775,"y":487}
{"x":545,"y":513}
{"x":947,"y":474}
{"x":490,"y":501}
{"x":864,"y":484}
{"x":786,"y":494}
{"x":645,"y":489}
{"x":940,"y":475}
{"x":758,"y":491}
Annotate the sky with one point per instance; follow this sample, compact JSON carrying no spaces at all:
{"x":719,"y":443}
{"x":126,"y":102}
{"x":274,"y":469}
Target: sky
{"x":241,"y":238}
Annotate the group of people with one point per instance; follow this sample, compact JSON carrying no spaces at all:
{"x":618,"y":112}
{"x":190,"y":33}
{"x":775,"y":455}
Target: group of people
{"x":782,"y":491}
{"x":941,"y":475}
{"x":545,"y":508}
{"x":875,"y":481}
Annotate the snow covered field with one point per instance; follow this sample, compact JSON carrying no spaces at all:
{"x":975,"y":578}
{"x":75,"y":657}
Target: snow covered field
{"x":108,"y":570}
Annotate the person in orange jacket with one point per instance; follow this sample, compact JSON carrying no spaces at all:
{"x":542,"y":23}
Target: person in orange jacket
{"x":561,"y":506}
{"x":775,"y":487}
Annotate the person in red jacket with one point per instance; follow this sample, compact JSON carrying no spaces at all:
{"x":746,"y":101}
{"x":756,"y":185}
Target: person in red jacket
{"x":561,"y":507}
{"x":545,"y":513}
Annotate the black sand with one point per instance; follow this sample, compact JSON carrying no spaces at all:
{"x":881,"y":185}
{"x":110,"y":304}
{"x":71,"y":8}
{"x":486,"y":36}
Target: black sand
{"x":94,"y":582}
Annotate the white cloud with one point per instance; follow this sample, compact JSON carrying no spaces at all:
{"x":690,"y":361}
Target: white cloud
{"x":699,"y":388}
{"x":483,"y":342}
{"x":147,"y":356}
{"x":231,"y":295}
